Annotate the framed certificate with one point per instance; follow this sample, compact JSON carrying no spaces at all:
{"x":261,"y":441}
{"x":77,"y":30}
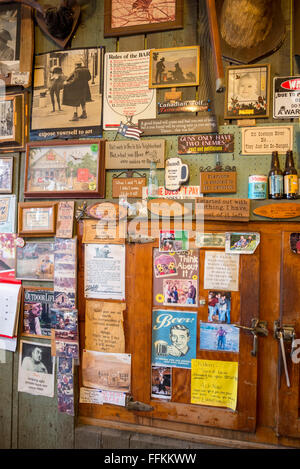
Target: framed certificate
{"x":37,"y":218}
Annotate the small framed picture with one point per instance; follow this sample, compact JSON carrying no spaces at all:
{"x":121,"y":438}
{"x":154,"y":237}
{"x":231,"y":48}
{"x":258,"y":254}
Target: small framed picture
{"x":127,"y":17}
{"x":175,"y":66}
{"x":36,"y":311}
{"x":37,"y":218}
{"x":65,"y":169}
{"x":247,"y":91}
{"x":7,"y":213}
{"x":12,"y":122}
{"x":35,"y":261}
{"x":6,"y":174}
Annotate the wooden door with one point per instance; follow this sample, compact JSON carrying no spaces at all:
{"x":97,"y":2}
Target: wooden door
{"x":288,"y":397}
{"x":138,"y":326}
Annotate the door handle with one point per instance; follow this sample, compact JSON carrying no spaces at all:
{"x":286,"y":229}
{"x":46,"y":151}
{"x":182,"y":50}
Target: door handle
{"x":285,"y":333}
{"x":258,"y":328}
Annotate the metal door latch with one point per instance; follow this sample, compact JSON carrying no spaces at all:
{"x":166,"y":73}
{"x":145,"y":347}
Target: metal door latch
{"x":258,"y":328}
{"x":285,"y":333}
{"x":137,"y":405}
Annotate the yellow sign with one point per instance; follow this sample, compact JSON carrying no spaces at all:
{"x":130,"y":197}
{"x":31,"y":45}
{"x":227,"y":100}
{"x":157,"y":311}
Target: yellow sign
{"x":214,"y":383}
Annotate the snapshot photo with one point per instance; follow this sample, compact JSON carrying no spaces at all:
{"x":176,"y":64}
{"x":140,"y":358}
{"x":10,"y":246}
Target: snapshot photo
{"x":241,"y":243}
{"x":36,"y":369}
{"x":219,"y":337}
{"x":171,"y":67}
{"x":7,"y":257}
{"x":182,"y":292}
{"x":173,"y":240}
{"x":161,"y":382}
{"x":67,"y":94}
{"x":35,"y":261}
{"x":247,"y":91}
{"x":295,"y":243}
{"x":219,"y":306}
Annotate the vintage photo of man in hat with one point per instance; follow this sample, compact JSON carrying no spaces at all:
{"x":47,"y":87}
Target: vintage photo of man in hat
{"x":67,"y":94}
{"x":9,"y":38}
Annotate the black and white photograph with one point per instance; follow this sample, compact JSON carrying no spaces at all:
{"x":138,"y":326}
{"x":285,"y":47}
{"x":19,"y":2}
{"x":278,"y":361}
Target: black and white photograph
{"x":6,"y":174}
{"x":6,"y":120}
{"x":36,"y":369}
{"x":67,"y":94}
{"x":247,"y":91}
{"x":10,"y":22}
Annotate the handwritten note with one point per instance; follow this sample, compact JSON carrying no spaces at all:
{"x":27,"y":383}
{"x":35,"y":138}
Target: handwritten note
{"x":221,"y":271}
{"x":104,"y":330}
{"x":214,"y":383}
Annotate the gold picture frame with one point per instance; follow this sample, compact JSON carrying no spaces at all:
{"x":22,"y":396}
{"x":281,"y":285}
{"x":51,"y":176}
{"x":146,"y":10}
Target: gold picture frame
{"x":37,"y":218}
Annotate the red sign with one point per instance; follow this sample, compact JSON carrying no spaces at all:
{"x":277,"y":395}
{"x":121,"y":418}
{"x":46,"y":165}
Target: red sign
{"x":291,"y":84}
{"x":83,"y":175}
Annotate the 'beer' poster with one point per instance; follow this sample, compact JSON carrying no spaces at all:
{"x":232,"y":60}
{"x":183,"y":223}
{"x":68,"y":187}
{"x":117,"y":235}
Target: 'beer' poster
{"x":174,"y":335}
{"x":176,"y":278}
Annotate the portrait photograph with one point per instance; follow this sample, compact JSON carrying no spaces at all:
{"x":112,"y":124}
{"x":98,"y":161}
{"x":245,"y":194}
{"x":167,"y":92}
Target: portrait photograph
{"x":67,"y":94}
{"x":35,"y":261}
{"x":36,"y":369}
{"x":295,"y":243}
{"x":6,"y":174}
{"x":140,"y":16}
{"x":177,"y":66}
{"x":161,"y":386}
{"x":247,"y":91}
{"x":219,"y":306}
{"x":72,"y":169}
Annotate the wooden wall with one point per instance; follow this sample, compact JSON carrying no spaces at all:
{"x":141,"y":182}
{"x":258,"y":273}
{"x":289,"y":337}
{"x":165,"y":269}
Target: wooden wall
{"x":34,"y":422}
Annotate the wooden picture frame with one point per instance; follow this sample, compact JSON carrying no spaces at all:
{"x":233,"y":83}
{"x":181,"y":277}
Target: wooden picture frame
{"x":35,"y":296}
{"x":185,"y":62}
{"x":6,"y":174}
{"x":14,"y":125}
{"x":35,"y":261}
{"x":37,"y":218}
{"x":54,"y":169}
{"x":17,"y":59}
{"x":120,"y":19}
{"x":247,"y":91}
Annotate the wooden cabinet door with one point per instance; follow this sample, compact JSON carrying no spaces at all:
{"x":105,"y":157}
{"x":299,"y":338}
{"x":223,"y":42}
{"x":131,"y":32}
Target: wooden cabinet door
{"x":288,"y":398}
{"x":138,"y":326}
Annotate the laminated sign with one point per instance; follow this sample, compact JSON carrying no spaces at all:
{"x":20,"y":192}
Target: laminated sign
{"x":286,"y":97}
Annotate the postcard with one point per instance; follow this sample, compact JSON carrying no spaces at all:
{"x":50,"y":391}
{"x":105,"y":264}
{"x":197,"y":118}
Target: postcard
{"x":173,"y":338}
{"x":219,"y":337}
{"x":107,"y":371}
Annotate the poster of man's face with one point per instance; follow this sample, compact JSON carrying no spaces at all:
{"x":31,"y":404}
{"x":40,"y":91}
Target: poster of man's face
{"x":67,"y":94}
{"x":36,"y":357}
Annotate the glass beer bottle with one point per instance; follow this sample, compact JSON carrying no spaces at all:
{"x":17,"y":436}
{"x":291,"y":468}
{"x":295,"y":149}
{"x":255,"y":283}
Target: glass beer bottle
{"x":275,"y":178}
{"x":290,"y":177}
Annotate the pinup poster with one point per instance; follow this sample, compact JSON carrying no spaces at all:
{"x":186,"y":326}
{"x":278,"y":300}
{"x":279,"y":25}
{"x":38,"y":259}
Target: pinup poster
{"x":174,"y":335}
{"x":175,"y":278}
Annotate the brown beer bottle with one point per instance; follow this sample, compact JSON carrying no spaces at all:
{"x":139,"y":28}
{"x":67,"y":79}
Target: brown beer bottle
{"x":290,"y":177}
{"x":275,"y":178}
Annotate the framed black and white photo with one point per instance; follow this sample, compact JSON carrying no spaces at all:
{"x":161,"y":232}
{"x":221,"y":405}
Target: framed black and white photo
{"x":67,"y":94}
{"x":247,"y":91}
{"x":13,"y":124}
{"x":16,"y":44}
{"x":6,"y":174}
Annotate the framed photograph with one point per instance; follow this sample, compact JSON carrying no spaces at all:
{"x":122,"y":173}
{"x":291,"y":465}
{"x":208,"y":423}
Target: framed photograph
{"x":35,"y":261}
{"x":36,"y":311}
{"x":247,"y":91}
{"x":6,"y":174}
{"x":13,"y":125}
{"x":37,"y":218}
{"x":65,"y":169}
{"x":16,"y":44}
{"x":174,"y":66}
{"x":67,"y":94}
{"x":127,"y":17}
